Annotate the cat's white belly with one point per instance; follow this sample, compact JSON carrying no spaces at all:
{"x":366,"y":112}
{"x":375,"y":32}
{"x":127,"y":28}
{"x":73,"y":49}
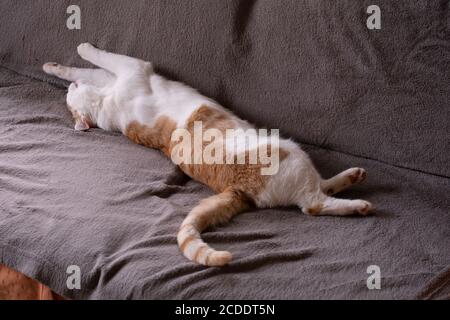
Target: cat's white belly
{"x":295,"y":180}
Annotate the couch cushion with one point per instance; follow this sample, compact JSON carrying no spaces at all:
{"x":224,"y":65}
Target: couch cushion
{"x":310,"y":68}
{"x":97,"y":201}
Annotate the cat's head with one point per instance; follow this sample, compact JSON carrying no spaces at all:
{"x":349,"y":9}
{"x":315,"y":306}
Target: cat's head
{"x":83,"y":101}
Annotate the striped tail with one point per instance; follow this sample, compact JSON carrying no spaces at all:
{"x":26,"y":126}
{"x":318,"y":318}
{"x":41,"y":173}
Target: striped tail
{"x":210,"y":211}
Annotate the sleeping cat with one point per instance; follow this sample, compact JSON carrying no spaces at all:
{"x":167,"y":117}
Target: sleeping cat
{"x":126,"y":95}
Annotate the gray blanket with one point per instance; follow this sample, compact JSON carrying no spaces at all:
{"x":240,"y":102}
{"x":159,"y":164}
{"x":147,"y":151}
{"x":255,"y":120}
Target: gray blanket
{"x":378,"y":99}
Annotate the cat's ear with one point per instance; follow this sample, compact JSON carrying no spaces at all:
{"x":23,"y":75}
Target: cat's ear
{"x":81,"y":124}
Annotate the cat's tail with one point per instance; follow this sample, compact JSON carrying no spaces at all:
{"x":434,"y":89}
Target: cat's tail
{"x":210,"y":211}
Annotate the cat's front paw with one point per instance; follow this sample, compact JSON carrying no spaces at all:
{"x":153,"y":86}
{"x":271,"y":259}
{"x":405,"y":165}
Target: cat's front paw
{"x":50,"y":67}
{"x":84,"y":48}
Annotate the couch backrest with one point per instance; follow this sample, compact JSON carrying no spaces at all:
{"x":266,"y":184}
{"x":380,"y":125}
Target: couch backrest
{"x":310,"y":68}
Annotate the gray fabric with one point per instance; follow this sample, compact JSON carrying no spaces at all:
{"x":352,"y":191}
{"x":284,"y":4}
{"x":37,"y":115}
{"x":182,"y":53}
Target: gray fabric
{"x":310,"y":68}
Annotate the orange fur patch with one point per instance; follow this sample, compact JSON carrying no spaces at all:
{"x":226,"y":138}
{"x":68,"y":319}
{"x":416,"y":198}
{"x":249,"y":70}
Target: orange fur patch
{"x":157,"y":137}
{"x":219,"y":208}
{"x":186,"y":242}
{"x":214,"y":210}
{"x":211,"y":118}
{"x":200,"y":252}
{"x":246,"y":177}
{"x":314,"y":210}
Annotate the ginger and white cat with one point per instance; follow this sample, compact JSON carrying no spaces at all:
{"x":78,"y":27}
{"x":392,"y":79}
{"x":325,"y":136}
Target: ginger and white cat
{"x":126,"y":95}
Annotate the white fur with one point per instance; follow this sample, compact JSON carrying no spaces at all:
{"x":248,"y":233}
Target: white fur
{"x":126,"y":89}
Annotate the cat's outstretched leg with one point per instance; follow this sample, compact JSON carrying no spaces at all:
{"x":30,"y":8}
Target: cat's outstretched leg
{"x":115,"y":63}
{"x":338,"y":207}
{"x":343,"y":180}
{"x":97,"y":77}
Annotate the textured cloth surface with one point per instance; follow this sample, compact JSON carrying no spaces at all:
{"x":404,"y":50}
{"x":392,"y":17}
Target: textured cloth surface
{"x":353,"y":97}
{"x":310,"y":68}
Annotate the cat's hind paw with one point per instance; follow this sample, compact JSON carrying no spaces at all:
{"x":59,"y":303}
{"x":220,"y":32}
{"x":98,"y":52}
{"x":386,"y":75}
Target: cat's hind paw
{"x":363,"y":207}
{"x":357,"y":175}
